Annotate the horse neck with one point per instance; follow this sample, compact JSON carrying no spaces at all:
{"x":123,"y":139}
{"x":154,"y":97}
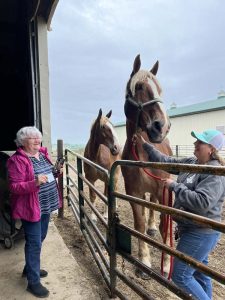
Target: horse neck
{"x":131,"y":130}
{"x":93,"y":144}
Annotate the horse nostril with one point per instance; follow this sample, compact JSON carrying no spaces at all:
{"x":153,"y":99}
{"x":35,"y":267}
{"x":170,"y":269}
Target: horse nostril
{"x":158,"y":125}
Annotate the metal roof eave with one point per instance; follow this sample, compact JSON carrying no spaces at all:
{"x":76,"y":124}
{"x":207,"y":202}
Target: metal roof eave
{"x":44,"y":8}
{"x":175,"y":115}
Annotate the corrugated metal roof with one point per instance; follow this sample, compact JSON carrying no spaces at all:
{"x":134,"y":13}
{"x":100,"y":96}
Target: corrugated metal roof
{"x":196,"y":108}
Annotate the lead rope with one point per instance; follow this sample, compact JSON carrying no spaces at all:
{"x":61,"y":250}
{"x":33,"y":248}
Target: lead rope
{"x":167,"y":219}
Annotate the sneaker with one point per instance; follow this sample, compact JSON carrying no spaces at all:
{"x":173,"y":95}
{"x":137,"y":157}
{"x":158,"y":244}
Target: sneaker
{"x":38,"y":290}
{"x":43,"y":273}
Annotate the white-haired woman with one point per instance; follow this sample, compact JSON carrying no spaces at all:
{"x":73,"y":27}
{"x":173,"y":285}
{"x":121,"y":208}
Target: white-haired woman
{"x":34,"y":195}
{"x":201,"y":194}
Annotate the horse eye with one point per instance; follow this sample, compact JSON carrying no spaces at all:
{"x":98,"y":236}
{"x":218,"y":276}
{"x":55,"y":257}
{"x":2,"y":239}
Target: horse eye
{"x":138,"y":87}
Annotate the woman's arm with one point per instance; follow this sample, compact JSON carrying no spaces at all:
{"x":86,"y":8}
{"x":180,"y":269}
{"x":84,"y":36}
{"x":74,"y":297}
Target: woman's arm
{"x":17,"y":177}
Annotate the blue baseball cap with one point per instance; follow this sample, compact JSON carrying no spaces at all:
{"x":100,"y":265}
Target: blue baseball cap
{"x":212,"y":137}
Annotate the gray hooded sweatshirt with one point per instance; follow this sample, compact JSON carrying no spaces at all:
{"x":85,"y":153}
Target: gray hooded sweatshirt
{"x":201,"y":194}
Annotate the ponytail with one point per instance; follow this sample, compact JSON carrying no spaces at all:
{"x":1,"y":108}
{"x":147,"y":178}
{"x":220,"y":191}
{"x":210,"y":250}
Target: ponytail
{"x":221,"y":160}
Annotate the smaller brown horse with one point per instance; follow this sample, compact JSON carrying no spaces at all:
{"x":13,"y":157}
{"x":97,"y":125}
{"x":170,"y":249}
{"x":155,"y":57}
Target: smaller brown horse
{"x":103,"y":149}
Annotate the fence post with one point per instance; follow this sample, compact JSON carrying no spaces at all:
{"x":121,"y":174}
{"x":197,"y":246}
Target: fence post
{"x":177,"y":151}
{"x":111,"y":234}
{"x":60,"y":178}
{"x":80,"y":188}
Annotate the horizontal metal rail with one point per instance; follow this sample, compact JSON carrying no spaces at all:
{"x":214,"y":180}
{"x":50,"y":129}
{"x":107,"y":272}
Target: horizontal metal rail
{"x":163,"y":247}
{"x":162,"y":280}
{"x":96,"y":245}
{"x":172,"y":167}
{"x":96,"y":258}
{"x":97,"y":231}
{"x":140,"y":291}
{"x":75,"y":210}
{"x":71,"y":167}
{"x":173,"y":211}
{"x":100,"y":194}
{"x":97,"y":213}
{"x":73,"y":182}
{"x":94,"y":165}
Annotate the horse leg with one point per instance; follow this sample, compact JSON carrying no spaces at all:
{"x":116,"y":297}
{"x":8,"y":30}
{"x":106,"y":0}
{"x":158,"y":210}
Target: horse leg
{"x":152,"y":229}
{"x":143,"y":249}
{"x":93,"y":198}
{"x":165,"y":233}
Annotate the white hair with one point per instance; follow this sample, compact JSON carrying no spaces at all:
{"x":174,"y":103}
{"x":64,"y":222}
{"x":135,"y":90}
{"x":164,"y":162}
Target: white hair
{"x":27,"y":132}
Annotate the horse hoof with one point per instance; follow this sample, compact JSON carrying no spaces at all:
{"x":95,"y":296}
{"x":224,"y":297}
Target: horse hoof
{"x":140,"y":274}
{"x":152,"y":232}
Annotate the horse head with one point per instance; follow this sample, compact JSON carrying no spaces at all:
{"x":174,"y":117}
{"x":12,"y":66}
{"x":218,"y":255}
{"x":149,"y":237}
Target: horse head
{"x":105,"y":133}
{"x":143,"y":106}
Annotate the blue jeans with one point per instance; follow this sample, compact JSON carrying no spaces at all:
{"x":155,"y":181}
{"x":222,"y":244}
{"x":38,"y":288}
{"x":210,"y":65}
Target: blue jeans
{"x":35,"y":233}
{"x":198,"y":245}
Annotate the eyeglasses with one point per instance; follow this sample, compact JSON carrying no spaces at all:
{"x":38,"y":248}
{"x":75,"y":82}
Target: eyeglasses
{"x":34,"y":138}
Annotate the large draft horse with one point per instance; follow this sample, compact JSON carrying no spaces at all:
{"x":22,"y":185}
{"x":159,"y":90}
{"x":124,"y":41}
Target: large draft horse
{"x":103,"y":148}
{"x":144,"y":111}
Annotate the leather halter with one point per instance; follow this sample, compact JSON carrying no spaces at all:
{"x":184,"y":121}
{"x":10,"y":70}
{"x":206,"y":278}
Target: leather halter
{"x":140,"y":106}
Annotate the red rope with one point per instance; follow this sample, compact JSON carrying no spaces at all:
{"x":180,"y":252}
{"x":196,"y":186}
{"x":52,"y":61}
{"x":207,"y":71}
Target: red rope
{"x":167,"y":219}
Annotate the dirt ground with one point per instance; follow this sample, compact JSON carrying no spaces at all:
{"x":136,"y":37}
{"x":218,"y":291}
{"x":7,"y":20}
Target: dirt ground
{"x":74,"y":240}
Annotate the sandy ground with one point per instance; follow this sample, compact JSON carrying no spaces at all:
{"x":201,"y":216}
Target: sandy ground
{"x":65,"y":281}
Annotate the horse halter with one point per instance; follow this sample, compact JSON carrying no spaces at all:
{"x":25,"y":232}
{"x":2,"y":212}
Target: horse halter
{"x":139,"y":106}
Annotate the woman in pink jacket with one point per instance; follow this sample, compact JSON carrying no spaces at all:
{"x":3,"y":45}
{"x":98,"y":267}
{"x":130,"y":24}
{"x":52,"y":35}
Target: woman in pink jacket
{"x":34,"y":195}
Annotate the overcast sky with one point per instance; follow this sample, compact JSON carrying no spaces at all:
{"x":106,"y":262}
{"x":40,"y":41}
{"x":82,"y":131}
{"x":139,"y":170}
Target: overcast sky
{"x":93,"y":44}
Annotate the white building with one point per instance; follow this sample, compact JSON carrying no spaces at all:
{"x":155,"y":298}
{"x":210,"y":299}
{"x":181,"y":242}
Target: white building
{"x":198,"y":117}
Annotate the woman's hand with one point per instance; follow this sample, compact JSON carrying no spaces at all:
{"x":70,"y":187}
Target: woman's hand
{"x":167,"y":182}
{"x":40,"y":179}
{"x":138,"y":139}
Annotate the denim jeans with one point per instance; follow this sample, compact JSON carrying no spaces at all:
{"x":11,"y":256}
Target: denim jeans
{"x":198,"y":245}
{"x":35,"y":233}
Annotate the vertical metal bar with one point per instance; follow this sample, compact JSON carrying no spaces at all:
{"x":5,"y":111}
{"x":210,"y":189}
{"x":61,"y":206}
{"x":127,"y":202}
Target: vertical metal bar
{"x":111,"y":233}
{"x":60,"y":178}
{"x":177,"y":151}
{"x":80,"y":188}
{"x":67,"y":177}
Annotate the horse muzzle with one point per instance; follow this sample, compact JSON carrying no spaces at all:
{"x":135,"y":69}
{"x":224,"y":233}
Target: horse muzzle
{"x":115,"y":150}
{"x":156,"y":132}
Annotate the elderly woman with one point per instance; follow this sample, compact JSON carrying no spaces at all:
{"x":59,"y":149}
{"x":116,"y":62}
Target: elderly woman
{"x":201,"y":194}
{"x":34,"y":195}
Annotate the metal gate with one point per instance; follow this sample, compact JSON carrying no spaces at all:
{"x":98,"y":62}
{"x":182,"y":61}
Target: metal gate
{"x":116,"y":239}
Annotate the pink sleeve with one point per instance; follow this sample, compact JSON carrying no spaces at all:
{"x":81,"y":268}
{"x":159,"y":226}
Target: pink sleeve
{"x":17,"y":177}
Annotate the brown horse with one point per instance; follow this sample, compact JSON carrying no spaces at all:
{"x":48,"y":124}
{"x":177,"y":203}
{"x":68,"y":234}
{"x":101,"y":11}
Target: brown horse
{"x":102,"y":148}
{"x":144,"y":111}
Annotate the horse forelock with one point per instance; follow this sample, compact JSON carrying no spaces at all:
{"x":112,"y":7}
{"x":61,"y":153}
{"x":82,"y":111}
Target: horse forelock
{"x":146,"y":76}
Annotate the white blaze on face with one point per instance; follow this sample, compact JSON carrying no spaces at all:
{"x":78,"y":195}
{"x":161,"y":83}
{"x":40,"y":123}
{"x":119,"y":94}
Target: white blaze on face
{"x":115,"y":138}
{"x":157,"y":93}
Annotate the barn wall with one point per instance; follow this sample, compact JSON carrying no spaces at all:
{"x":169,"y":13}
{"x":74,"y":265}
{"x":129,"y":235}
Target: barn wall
{"x":182,"y":126}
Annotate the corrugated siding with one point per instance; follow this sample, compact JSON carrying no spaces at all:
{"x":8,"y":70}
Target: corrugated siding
{"x":182,"y":126}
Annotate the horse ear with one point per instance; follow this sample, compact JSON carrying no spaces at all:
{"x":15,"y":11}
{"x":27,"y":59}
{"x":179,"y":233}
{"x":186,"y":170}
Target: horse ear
{"x":136,"y":65}
{"x":99,"y":114}
{"x":109,"y":114}
{"x":154,"y":69}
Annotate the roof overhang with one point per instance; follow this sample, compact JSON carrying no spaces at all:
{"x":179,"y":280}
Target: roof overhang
{"x":43,"y":8}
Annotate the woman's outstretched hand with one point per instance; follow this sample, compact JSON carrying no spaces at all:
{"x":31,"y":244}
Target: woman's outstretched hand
{"x":138,"y":139}
{"x":167,"y":182}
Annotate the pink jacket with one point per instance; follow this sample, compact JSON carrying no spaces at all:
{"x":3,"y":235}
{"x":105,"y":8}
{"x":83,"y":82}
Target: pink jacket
{"x":23,"y":190}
